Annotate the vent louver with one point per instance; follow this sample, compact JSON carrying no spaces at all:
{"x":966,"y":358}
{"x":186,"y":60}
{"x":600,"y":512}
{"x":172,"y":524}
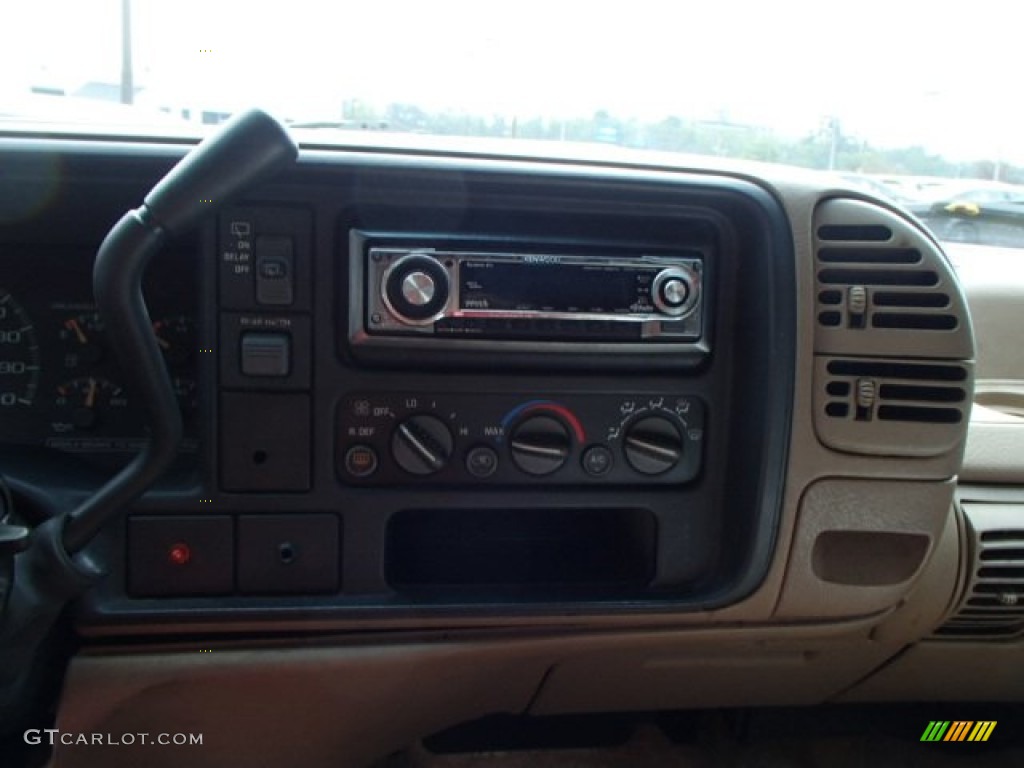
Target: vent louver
{"x":993,"y":605}
{"x":867,"y":390}
{"x":896,"y":407}
{"x":880,"y":282}
{"x":859,"y":294}
{"x":892,"y":336}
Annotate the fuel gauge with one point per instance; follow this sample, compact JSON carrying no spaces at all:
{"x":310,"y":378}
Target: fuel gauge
{"x":89,"y":402}
{"x":82,"y":337}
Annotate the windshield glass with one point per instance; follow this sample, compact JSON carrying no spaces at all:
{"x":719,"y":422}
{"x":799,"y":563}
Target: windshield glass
{"x":903,"y":100}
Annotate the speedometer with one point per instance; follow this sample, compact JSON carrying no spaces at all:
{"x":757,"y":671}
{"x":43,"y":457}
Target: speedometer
{"x":19,"y":355}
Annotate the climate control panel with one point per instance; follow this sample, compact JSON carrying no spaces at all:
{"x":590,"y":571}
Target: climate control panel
{"x":400,"y":438}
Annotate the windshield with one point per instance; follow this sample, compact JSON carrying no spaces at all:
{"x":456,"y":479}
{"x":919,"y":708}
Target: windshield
{"x":902,"y":100}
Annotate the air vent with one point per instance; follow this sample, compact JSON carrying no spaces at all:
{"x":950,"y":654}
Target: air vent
{"x":866,"y":279}
{"x":892,"y":337}
{"x":867,"y":390}
{"x":993,"y":604}
{"x":892,"y":407}
{"x":883,"y":287}
{"x":864,"y":232}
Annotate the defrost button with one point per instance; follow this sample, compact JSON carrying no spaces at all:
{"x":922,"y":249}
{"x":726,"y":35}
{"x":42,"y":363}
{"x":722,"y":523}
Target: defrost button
{"x":360,"y":461}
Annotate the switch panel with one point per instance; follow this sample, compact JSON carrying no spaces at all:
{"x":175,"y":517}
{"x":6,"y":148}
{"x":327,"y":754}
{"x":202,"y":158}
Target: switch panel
{"x":265,"y":258}
{"x":265,"y":351}
{"x":265,"y":442}
{"x":288,"y":554}
{"x":178,"y":556}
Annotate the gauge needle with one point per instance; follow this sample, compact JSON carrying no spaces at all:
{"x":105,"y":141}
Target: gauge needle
{"x":90,"y":397}
{"x":73,"y":325}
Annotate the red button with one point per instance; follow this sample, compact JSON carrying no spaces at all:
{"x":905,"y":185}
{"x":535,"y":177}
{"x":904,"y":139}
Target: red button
{"x":179,"y":554}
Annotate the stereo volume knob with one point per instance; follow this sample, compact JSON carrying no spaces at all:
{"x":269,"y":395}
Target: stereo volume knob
{"x":418,"y":288}
{"x":422,"y":445}
{"x":540,"y":445}
{"x":675,"y":291}
{"x":653,"y":445}
{"x":415,"y":289}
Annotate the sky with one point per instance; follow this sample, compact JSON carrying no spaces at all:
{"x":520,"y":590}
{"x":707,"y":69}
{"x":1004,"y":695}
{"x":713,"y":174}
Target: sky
{"x":940,"y":74}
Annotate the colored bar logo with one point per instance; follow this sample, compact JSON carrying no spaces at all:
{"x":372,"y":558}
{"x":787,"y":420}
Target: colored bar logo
{"x":958,"y":730}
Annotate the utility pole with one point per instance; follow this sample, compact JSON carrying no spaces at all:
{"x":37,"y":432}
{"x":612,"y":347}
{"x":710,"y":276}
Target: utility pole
{"x":127,"y":81}
{"x":833,"y":135}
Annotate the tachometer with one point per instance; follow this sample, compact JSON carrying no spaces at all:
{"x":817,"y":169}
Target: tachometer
{"x":19,"y":355}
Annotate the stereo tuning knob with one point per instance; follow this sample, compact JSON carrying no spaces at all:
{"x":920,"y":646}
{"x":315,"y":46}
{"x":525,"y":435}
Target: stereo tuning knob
{"x":540,"y":445}
{"x":415,"y":289}
{"x":653,"y":445}
{"x":422,"y":445}
{"x":676,"y":291}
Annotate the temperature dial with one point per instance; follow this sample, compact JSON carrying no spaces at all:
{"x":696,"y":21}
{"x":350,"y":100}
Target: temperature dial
{"x":422,"y":445}
{"x":676,"y":291}
{"x":653,"y":445}
{"x":416,"y":289}
{"x":540,"y":445}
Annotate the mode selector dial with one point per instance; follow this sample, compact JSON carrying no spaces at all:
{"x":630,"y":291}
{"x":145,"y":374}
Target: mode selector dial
{"x":676,"y":291}
{"x":540,"y":445}
{"x":653,"y":445}
{"x":415,"y":289}
{"x":421,"y":445}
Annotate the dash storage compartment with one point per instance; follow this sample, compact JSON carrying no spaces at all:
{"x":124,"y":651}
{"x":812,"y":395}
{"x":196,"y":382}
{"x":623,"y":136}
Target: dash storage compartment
{"x":530,"y":552}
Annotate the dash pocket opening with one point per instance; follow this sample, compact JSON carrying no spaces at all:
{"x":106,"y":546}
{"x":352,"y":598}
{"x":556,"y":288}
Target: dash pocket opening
{"x":530,"y":550}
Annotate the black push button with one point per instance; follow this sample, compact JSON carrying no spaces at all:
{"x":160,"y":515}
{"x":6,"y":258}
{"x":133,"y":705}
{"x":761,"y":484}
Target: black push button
{"x":288,"y":554}
{"x":482,"y":461}
{"x":597,"y":461}
{"x":266,"y":354}
{"x":178,"y":556}
{"x":275,"y":260}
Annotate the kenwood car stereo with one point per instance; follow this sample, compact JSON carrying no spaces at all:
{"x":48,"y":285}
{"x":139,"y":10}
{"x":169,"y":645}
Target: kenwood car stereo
{"x":482,"y":294}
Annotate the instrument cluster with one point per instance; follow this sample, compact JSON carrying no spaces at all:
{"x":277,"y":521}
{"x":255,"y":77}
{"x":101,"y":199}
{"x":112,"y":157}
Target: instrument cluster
{"x":60,"y":386}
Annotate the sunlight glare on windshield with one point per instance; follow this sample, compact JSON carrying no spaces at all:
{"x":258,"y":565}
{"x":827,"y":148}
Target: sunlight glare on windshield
{"x":887,"y":93}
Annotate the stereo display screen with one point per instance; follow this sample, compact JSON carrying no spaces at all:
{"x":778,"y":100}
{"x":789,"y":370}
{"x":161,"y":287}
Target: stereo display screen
{"x":552,"y":287}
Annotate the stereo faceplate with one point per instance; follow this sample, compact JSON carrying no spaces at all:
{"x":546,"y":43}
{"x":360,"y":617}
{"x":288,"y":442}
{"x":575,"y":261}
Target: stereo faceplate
{"x":428,"y":290}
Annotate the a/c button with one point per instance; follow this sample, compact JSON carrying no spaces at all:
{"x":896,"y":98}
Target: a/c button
{"x":597,"y":461}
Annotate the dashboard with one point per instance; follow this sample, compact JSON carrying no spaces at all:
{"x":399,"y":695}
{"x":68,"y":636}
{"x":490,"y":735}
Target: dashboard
{"x":579,"y":436}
